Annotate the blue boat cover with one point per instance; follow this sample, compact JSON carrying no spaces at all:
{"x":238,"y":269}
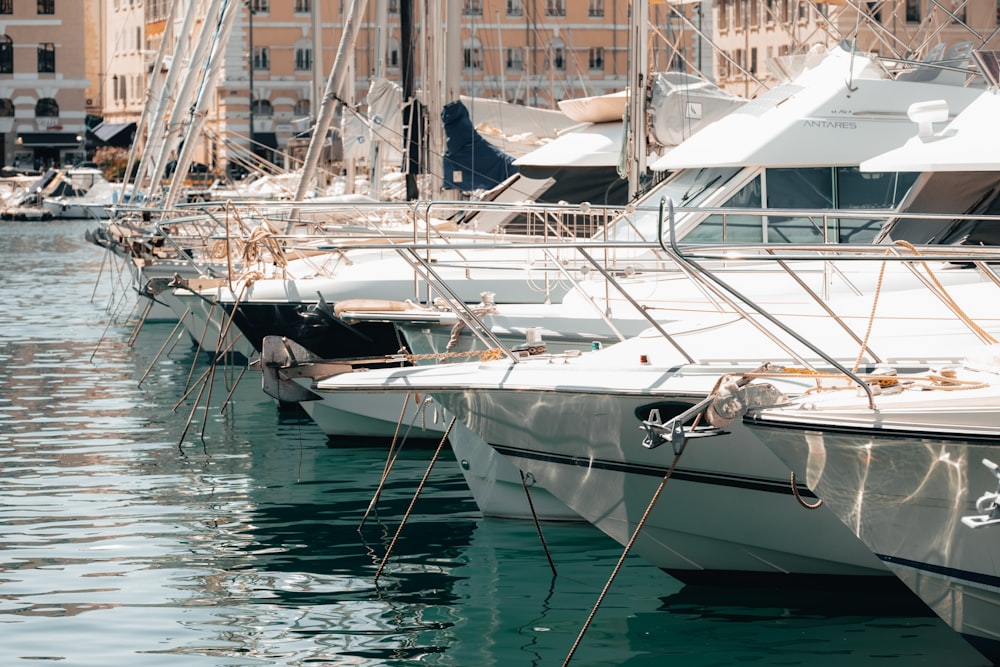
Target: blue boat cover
{"x":470,"y":162}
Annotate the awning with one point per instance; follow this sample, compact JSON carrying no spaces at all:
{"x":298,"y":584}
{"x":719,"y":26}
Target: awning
{"x":265,"y":139}
{"x":115,"y":134}
{"x":48,"y":139}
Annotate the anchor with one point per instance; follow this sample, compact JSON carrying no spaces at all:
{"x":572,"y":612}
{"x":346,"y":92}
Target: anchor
{"x":987,"y":503}
{"x":732,"y":400}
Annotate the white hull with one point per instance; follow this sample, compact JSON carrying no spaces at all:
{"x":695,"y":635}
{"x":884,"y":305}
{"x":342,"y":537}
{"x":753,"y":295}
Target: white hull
{"x":496,"y":484}
{"x":908,"y":488}
{"x":728,"y":508}
{"x":77,"y":211}
{"x":380,"y":417}
{"x":205,"y":322}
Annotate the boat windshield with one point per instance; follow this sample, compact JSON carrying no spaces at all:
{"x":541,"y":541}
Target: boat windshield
{"x":687,"y":187}
{"x":787,"y":188}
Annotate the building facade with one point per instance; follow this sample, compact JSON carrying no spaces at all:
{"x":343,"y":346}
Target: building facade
{"x":44,"y":80}
{"x":280,"y":53}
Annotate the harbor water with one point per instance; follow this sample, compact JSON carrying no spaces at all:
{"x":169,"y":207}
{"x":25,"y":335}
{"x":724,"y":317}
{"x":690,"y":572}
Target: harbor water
{"x":147,"y":521}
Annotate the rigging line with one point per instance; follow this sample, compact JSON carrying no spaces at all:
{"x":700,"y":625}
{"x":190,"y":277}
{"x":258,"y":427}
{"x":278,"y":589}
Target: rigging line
{"x":538,"y":525}
{"x":100,"y":272}
{"x":423,"y":481}
{"x":394,"y":446}
{"x":635,"y":533}
{"x":687,"y":22}
{"x":137,"y":329}
{"x":163,"y":347}
{"x":229,"y":397}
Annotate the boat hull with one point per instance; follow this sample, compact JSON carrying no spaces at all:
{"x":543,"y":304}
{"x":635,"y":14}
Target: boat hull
{"x":909,"y":497}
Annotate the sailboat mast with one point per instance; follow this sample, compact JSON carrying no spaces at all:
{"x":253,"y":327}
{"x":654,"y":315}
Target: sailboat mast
{"x":334,"y":86}
{"x":411,"y":111}
{"x":638,"y":75}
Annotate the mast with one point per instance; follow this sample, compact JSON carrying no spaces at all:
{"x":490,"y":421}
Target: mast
{"x":638,"y":75}
{"x":334,"y":86}
{"x":381,"y":42}
{"x":411,"y":107}
{"x":159,"y":115}
{"x":186,"y":96}
{"x":156,"y":93}
{"x":198,"y":110}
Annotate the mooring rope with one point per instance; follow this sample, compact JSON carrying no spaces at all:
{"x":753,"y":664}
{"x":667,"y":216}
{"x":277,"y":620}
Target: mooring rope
{"x":413,"y":501}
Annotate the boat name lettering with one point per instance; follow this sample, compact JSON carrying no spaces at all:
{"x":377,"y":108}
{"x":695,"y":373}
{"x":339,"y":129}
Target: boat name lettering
{"x":832,"y":124}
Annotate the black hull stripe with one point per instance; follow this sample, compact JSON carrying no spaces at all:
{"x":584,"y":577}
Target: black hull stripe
{"x":883,"y":433}
{"x":696,"y":476}
{"x":976,"y":578}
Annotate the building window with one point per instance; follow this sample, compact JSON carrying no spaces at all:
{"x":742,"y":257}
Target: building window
{"x":47,"y":58}
{"x":723,"y":14}
{"x":261,"y":58}
{"x":472,"y":55}
{"x":595,"y":8}
{"x":303,"y":59}
{"x":557,"y":55}
{"x":392,"y":54}
{"x":6,"y":55}
{"x":262,"y":109}
{"x":515,"y":60}
{"x":6,"y":6}
{"x":6,"y":108}
{"x":46,"y":107}
{"x":473,"y":8}
{"x":874,"y":9}
{"x":753,"y":60}
{"x":555,"y":7}
{"x":260,"y":6}
{"x":46,"y":7}
{"x":302,"y":108}
{"x":303,"y":6}
{"x":596,"y":58}
{"x":769,"y":11}
{"x":516,"y":8}
{"x":393,"y":6}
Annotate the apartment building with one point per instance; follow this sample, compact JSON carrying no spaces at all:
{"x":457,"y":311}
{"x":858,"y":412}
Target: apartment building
{"x":43,"y":81}
{"x":279,"y":54}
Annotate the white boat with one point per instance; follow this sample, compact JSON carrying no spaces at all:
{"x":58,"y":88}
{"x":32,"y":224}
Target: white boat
{"x":914,"y":476}
{"x":80,"y":193}
{"x":877,"y":109}
{"x":575,"y":423}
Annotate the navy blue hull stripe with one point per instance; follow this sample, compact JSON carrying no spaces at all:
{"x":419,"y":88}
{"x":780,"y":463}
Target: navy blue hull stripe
{"x":700,"y":477}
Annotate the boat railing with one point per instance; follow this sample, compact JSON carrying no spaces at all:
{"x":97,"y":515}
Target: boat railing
{"x":917,"y":259}
{"x":677,"y":259}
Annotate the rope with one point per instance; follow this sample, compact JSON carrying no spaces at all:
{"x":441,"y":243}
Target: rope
{"x":871,"y":317}
{"x":635,"y":533}
{"x":394,"y":448}
{"x":948,"y":299}
{"x":409,"y":510}
{"x":933,"y":381}
{"x":538,"y":525}
{"x":798,"y":497}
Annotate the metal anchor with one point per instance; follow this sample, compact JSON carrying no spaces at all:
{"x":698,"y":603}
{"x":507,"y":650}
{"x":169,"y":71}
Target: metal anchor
{"x":674,"y":431}
{"x":987,"y":503}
